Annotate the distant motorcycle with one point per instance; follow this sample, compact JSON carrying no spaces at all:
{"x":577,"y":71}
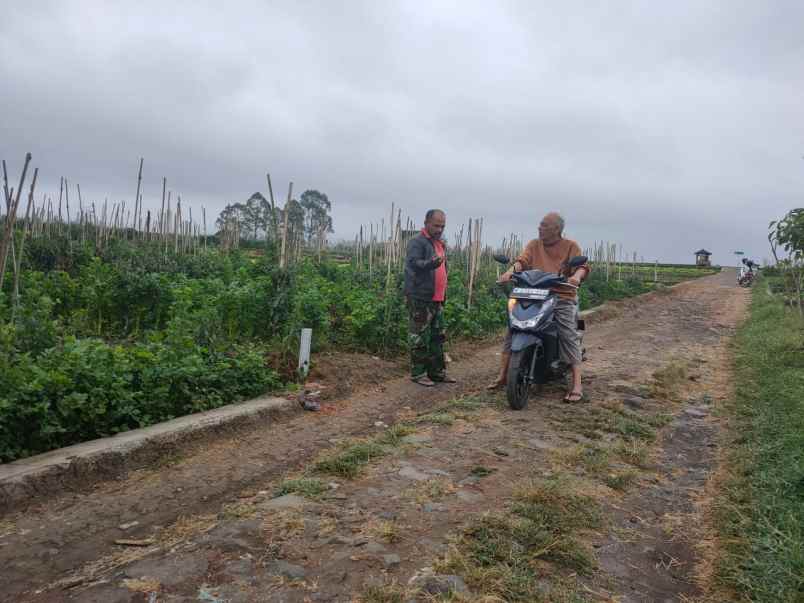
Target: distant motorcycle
{"x":534,"y":342}
{"x":747,"y":275}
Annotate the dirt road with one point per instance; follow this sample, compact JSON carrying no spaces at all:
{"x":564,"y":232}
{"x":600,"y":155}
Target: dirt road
{"x":207,"y":526}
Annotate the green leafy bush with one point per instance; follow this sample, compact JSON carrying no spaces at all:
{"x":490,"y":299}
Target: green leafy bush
{"x":86,"y":388}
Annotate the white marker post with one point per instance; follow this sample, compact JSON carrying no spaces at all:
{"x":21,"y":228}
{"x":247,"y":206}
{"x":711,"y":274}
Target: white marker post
{"x":304,"y":351}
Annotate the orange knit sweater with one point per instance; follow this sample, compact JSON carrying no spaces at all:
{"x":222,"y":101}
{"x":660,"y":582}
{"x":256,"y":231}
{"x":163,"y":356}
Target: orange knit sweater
{"x":552,"y":258}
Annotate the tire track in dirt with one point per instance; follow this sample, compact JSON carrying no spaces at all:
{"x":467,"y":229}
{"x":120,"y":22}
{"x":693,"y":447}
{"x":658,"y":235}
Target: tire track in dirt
{"x":54,"y":540}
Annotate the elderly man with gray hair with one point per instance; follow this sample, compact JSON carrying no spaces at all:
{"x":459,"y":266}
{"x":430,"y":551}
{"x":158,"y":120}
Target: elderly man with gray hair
{"x":551,"y":252}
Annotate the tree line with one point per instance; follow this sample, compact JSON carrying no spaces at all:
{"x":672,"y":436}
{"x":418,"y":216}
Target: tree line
{"x":308,"y":218}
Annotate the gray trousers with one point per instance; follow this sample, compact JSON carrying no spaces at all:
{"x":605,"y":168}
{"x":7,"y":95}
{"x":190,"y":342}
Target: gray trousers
{"x":569,"y":339}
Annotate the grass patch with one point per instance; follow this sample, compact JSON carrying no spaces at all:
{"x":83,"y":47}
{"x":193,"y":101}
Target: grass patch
{"x":283,"y":525}
{"x":394,"y":434}
{"x":633,"y":428}
{"x":630,"y":423}
{"x":469,"y":402}
{"x":508,"y":554}
{"x":430,"y":490}
{"x":238,"y":510}
{"x":761,"y":522}
{"x":621,"y":481}
{"x":437,"y":418}
{"x":384,"y":530}
{"x":634,"y":452}
{"x":658,"y":420}
{"x":589,"y":421}
{"x":383,"y":593}
{"x":481,"y":471}
{"x":309,"y":487}
{"x":668,"y":380}
{"x":348,"y":461}
{"x":593,"y":421}
{"x":593,"y":459}
{"x":553,"y":505}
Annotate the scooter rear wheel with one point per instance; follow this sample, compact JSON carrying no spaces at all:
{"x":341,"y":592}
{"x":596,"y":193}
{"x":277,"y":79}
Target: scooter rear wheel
{"x":518,"y":388}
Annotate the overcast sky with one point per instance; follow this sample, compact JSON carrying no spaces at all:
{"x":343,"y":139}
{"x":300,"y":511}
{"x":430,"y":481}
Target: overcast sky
{"x":663,"y":126}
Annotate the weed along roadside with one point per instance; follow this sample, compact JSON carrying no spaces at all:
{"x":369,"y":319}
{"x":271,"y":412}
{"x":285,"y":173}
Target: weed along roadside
{"x":405,"y":493}
{"x":760,"y":516}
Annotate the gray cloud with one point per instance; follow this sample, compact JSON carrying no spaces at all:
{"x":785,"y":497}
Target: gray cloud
{"x":662,"y":126}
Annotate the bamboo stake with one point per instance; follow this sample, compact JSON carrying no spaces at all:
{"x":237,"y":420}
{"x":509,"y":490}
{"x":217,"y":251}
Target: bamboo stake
{"x":11,"y":218}
{"x":177,"y":225}
{"x":162,"y":210}
{"x":371,"y":251}
{"x":67,"y":201}
{"x":204,"y":216}
{"x":274,"y":221}
{"x":6,"y":193}
{"x":137,"y":200}
{"x":282,"y":255}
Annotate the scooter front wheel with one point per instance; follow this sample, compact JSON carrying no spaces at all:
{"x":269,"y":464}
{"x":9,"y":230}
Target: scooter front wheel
{"x":518,"y":388}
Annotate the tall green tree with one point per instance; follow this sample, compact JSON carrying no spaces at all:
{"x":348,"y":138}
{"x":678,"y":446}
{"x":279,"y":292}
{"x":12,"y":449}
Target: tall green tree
{"x":257,"y":216}
{"x":231,"y":213}
{"x":317,"y":219}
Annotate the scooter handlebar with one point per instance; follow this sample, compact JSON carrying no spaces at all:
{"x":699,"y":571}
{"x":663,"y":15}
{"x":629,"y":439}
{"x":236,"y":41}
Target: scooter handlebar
{"x":563,"y":283}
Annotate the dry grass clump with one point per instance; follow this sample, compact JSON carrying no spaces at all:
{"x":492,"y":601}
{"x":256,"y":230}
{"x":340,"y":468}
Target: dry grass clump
{"x":515,"y":555}
{"x":667,"y":381}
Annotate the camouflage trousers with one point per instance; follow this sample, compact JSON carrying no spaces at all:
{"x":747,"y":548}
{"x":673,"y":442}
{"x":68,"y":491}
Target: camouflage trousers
{"x":426,"y":339}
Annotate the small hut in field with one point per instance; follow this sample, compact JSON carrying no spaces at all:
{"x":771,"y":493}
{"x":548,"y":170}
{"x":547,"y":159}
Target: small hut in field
{"x":702,"y":258}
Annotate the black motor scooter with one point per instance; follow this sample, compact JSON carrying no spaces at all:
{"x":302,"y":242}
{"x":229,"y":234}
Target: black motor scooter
{"x":534,"y":342}
{"x":746,"y":277}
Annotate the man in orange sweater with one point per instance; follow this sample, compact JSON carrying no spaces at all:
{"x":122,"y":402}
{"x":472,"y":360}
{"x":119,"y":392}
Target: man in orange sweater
{"x":551,"y":253}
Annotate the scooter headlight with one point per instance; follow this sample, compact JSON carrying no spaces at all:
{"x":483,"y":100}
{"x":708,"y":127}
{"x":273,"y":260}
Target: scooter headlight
{"x":531,"y":323}
{"x":525,"y":324}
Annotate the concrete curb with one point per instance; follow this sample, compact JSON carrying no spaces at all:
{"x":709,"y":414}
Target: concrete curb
{"x":83,"y":464}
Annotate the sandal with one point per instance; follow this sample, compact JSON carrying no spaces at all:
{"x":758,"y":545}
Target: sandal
{"x":423,"y":380}
{"x":445,"y":379}
{"x":574,"y":398}
{"x":495,"y":385}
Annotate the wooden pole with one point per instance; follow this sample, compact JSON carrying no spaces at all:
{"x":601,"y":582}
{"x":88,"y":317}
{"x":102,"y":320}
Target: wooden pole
{"x":6,"y":193}
{"x":137,"y":197}
{"x":8,"y":235}
{"x":177,"y":226}
{"x":81,"y":206}
{"x":274,"y":221}
{"x":283,"y":252}
{"x":371,"y":250}
{"x":204,"y":216}
{"x":162,"y":211}
{"x":67,"y":203}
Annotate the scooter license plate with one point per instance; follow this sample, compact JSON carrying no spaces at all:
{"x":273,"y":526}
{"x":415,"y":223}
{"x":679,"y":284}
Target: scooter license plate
{"x":530,"y":293}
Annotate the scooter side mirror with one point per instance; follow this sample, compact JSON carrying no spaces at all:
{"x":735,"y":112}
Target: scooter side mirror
{"x":502,"y":259}
{"x":578,"y":260}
